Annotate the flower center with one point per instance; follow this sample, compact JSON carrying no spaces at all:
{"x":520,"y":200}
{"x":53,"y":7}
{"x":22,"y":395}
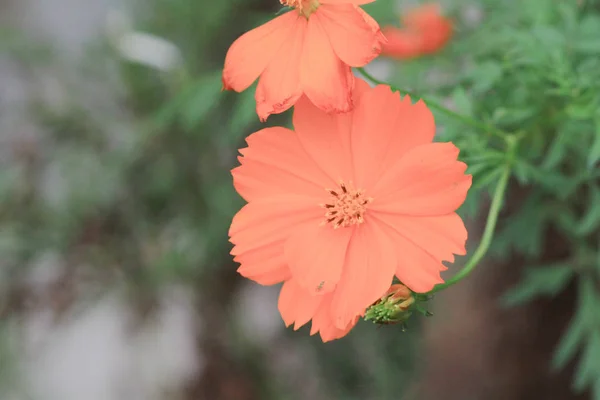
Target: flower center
{"x":346,"y":206}
{"x":305,"y":7}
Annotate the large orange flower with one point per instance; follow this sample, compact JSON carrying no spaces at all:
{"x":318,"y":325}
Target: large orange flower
{"x":425,"y":31}
{"x":305,"y":51}
{"x":344,"y":203}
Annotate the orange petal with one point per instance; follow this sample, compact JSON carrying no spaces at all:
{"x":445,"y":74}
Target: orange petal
{"x":372,"y":23}
{"x":433,"y":28}
{"x":265,"y":265}
{"x":315,"y":254}
{"x":275,"y":163}
{"x":250,"y":54}
{"x":400,"y":126}
{"x":326,"y":138}
{"x":414,"y":127}
{"x":279,"y":85}
{"x":326,"y":80}
{"x":426,"y":181}
{"x":416,"y":268}
{"x":360,"y":88}
{"x":353,"y":39}
{"x":377,"y":111}
{"x":437,"y":36}
{"x":324,"y":324}
{"x":370,"y":265}
{"x":268,"y":221}
{"x":401,"y":43}
{"x":441,"y":236}
{"x":296,"y":304}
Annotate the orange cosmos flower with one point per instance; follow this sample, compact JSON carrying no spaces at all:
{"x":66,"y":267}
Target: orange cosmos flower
{"x":305,"y":51}
{"x":425,"y":31}
{"x":344,"y":203}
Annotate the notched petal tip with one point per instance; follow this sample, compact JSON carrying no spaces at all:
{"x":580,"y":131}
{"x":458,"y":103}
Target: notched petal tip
{"x":264,"y":108}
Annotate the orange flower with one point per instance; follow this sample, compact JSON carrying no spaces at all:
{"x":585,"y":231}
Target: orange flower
{"x":425,"y":31}
{"x":346,"y":202}
{"x":306,"y":51}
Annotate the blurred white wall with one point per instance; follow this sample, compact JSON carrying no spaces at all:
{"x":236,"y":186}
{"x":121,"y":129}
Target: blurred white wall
{"x":97,"y":353}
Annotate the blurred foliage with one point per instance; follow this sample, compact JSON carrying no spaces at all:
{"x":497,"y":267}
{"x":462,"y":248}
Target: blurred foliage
{"x":534,"y":75}
{"x":130,"y":179}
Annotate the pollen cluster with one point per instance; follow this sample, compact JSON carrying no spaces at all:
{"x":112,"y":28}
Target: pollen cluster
{"x":305,"y":7}
{"x":346,"y":206}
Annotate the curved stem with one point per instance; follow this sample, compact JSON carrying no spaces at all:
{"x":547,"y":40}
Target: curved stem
{"x":488,"y":233}
{"x":464,"y":119}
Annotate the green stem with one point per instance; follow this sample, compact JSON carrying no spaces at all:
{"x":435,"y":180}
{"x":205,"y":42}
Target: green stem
{"x":436,"y":106}
{"x":488,"y":233}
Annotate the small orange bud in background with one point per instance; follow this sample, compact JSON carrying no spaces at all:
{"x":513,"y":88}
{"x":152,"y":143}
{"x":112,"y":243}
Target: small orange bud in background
{"x":425,"y":31}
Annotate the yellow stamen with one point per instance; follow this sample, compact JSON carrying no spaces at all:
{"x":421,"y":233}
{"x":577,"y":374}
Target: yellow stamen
{"x":346,"y":207}
{"x":305,"y":7}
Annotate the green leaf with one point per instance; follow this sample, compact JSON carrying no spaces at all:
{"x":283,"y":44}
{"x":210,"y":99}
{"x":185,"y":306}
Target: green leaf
{"x":570,"y":341}
{"x":566,"y":220}
{"x":522,"y":172}
{"x":472,"y":203}
{"x":591,"y":219}
{"x":589,"y":366}
{"x":591,"y":46}
{"x":584,"y":331}
{"x":581,"y":111}
{"x":596,"y":389}
{"x":462,"y":101}
{"x":589,"y":35}
{"x":485,"y":76}
{"x":589,"y":302}
{"x":503,"y":115}
{"x":557,"y":151}
{"x":476,"y":169}
{"x":553,"y":181}
{"x":486,"y":177}
{"x":205,"y":95}
{"x":245,"y":113}
{"x":594,"y":154}
{"x":490,"y":155}
{"x":568,"y":11}
{"x":541,"y":281}
{"x":524,"y":230}
{"x":548,"y":36}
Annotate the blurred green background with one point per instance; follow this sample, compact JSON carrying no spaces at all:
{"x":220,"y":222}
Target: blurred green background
{"x":116,"y":143}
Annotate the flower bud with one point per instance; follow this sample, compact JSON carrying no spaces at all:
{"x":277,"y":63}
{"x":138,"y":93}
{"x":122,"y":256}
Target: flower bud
{"x":393,"y":307}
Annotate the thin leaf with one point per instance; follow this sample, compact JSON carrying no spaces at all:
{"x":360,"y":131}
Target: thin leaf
{"x":591,"y":219}
{"x":570,"y":342}
{"x":462,"y":101}
{"x":541,"y":281}
{"x":589,"y":367}
{"x":485,"y":178}
{"x":205,"y":95}
{"x":594,"y":154}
